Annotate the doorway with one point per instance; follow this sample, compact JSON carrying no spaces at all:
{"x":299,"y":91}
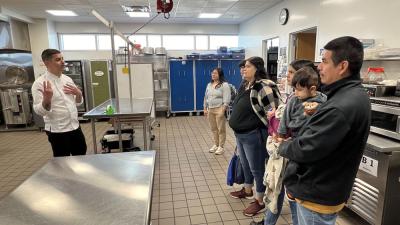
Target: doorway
{"x":303,"y":44}
{"x":270,"y":49}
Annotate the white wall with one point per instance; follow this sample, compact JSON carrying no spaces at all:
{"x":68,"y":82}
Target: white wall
{"x":333,"y":18}
{"x":53,"y":38}
{"x":39,"y":36}
{"x":62,"y":27}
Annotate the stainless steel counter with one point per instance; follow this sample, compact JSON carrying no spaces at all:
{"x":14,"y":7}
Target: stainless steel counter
{"x":139,"y":109}
{"x":382,"y":144}
{"x":123,"y":108}
{"x":93,"y":189}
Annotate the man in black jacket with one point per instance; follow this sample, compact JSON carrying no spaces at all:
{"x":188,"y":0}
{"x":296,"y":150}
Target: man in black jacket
{"x":324,"y":158}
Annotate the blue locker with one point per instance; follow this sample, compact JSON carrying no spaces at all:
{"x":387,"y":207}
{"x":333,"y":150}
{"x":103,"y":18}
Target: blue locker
{"x":203,"y":69}
{"x":232,"y":72}
{"x":181,"y":80}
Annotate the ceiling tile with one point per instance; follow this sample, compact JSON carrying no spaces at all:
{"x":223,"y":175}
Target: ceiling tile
{"x":214,"y":10}
{"x":192,"y":4}
{"x":75,"y":2}
{"x":186,"y":15}
{"x":250,"y":4}
{"x":234,"y":11}
{"x":220,"y":4}
{"x":134,"y":2}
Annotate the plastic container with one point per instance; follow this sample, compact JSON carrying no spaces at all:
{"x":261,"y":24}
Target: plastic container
{"x":375,"y":74}
{"x":148,"y":50}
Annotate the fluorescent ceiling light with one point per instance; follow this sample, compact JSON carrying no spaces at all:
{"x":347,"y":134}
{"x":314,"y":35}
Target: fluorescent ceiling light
{"x":138,"y":14}
{"x":136,"y":11}
{"x":61,"y":12}
{"x":209,"y":15}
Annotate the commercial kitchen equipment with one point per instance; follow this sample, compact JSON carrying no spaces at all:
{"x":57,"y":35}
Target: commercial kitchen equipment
{"x":77,"y":70}
{"x":379,"y":90}
{"x":99,"y":189}
{"x":16,"y":107}
{"x":126,"y":111}
{"x":100,"y":81}
{"x":375,"y":195}
{"x":16,"y":79}
{"x":147,"y":81}
{"x":385,"y":116}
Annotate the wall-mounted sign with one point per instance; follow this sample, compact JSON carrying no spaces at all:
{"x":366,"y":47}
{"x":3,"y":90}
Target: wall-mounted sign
{"x":99,"y":73}
{"x":125,"y":70}
{"x":369,"y":165}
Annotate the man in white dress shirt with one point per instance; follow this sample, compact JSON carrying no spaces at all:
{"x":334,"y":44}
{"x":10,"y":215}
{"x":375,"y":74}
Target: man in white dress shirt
{"x":56,"y":97}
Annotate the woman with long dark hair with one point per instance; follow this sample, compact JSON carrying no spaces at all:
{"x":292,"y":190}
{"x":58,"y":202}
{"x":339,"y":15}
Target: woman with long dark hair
{"x":216,"y":101}
{"x":271,"y":218}
{"x":257,"y":98}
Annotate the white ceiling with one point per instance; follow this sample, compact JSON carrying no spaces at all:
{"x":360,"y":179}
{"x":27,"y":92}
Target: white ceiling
{"x":184,"y":11}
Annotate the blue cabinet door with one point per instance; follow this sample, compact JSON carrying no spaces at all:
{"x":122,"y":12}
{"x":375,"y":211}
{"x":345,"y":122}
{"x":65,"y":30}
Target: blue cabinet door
{"x":232,"y":72}
{"x":203,"y":77}
{"x":181,"y":80}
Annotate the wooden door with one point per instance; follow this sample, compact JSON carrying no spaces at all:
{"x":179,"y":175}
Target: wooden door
{"x":305,"y":46}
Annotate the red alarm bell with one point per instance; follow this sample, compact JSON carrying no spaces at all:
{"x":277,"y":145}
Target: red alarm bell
{"x":164,"y":6}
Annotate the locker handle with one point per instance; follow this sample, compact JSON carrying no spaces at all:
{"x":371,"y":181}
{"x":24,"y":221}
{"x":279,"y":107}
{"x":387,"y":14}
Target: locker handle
{"x":95,"y":84}
{"x":184,"y":73}
{"x":234,"y":72}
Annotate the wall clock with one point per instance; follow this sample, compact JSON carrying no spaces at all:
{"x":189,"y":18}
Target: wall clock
{"x":284,"y":16}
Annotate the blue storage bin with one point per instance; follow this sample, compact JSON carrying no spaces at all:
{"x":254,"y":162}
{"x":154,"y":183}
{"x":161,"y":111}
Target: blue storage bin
{"x":238,"y":55}
{"x":207,"y":56}
{"x":192,"y":56}
{"x":222,"y":49}
{"x":237,"y":50}
{"x":224,"y":56}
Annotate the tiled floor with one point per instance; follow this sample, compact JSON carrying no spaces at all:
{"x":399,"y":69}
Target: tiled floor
{"x":190,"y":183}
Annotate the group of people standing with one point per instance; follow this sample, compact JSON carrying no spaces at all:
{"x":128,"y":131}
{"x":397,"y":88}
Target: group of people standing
{"x":320,"y":140}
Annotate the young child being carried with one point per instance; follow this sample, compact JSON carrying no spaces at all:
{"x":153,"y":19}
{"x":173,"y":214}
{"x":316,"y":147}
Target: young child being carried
{"x":304,"y":104}
{"x":295,"y":115}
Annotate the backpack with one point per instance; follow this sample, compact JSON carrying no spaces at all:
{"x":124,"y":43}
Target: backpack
{"x":233,"y":93}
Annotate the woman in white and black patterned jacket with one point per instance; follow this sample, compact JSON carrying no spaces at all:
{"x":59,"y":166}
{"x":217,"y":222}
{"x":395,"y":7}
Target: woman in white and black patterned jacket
{"x":257,"y":98}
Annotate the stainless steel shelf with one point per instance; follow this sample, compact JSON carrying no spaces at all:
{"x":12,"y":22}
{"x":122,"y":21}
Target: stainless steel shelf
{"x":383,"y":59}
{"x":161,"y":108}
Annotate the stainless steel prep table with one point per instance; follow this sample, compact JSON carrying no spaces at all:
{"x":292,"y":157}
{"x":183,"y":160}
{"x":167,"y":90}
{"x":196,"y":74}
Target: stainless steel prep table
{"x":92,"y":189}
{"x":139,"y":109}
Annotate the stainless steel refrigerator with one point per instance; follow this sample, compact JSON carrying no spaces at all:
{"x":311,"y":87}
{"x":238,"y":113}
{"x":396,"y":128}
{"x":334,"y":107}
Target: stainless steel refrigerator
{"x":77,"y":70}
{"x":100,"y":81}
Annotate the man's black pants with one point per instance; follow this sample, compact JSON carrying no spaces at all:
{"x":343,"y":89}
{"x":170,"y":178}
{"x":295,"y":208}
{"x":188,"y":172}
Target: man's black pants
{"x":67,"y":143}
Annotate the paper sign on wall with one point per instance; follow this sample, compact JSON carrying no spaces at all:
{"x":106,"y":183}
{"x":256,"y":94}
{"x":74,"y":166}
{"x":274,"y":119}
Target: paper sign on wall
{"x":125,"y":70}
